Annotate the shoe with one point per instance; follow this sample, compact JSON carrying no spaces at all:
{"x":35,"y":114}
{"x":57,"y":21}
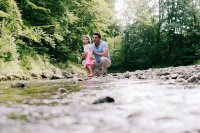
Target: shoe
{"x":91,"y":75}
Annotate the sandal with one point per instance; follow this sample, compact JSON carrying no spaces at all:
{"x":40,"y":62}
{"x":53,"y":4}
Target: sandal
{"x":91,"y":75}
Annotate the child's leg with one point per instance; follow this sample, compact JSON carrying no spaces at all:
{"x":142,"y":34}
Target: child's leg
{"x":86,"y":69}
{"x":90,"y":69}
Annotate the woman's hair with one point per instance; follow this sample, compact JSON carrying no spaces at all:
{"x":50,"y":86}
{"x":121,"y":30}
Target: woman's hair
{"x":89,"y":38}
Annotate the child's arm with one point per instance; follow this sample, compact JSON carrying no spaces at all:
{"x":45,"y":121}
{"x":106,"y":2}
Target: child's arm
{"x":84,"y":55}
{"x":91,"y":53}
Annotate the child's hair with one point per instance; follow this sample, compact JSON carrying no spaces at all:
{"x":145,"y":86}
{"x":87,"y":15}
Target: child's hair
{"x":89,"y":38}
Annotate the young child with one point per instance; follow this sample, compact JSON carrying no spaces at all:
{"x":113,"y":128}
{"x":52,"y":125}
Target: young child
{"x":88,"y":55}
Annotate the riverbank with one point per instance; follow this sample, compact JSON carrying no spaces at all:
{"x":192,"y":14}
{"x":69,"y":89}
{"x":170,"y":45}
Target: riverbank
{"x":183,"y":74}
{"x":50,"y":72}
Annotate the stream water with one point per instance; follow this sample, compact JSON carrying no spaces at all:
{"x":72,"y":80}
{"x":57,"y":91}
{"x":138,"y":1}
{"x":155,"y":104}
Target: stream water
{"x":141,"y":106}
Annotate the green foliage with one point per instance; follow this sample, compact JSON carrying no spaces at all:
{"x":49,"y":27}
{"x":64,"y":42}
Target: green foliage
{"x":34,"y":32}
{"x":169,"y":36}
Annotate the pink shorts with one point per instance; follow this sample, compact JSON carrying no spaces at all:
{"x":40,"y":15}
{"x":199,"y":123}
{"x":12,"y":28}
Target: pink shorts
{"x":88,"y":61}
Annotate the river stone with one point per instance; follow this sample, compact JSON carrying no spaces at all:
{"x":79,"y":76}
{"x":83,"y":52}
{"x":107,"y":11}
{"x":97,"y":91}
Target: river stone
{"x":198,"y":75}
{"x":163,"y":77}
{"x":186,"y":77}
{"x":13,"y":76}
{"x":181,"y":80}
{"x":45,"y":75}
{"x":19,"y":85}
{"x":174,"y":76}
{"x":104,"y":100}
{"x":34,"y":75}
{"x":79,"y":79}
{"x":70,"y":76}
{"x":165,"y":73}
{"x":66,"y":74}
{"x":142,"y":77}
{"x":72,"y":72}
{"x":168,"y":77}
{"x":57,"y":76}
{"x":127,"y":75}
{"x":180,"y":76}
{"x":3,"y":78}
{"x":61,"y":93}
{"x":114,"y":74}
{"x":9,"y":77}
{"x":193,"y":79}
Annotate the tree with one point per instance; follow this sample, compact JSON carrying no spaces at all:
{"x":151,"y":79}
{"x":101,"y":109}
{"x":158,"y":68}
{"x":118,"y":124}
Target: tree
{"x":49,"y":30}
{"x":162,"y":33}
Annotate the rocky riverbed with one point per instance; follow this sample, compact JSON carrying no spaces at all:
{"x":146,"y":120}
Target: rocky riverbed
{"x":151,"y":101}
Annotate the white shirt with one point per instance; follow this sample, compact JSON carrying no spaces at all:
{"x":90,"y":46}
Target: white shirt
{"x":88,"y":49}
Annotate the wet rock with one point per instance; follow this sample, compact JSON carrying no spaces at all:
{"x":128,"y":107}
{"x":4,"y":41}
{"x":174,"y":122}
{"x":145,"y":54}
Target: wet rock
{"x":104,"y":100}
{"x":174,"y":76}
{"x":19,"y":85}
{"x":193,"y":79}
